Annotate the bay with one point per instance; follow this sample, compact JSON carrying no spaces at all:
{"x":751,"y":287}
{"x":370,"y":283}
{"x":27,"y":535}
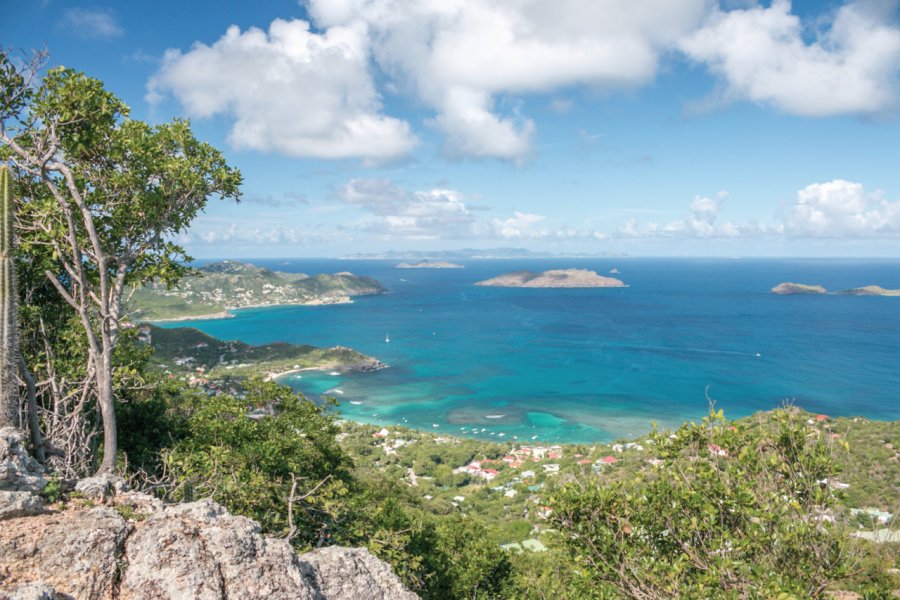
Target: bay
{"x":584,"y":365}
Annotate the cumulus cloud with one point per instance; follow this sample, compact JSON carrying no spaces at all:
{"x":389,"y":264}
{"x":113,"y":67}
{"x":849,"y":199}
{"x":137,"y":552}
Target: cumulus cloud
{"x":442,"y":213}
{"x":703,"y":222}
{"x":517,"y":226}
{"x":842,"y":208}
{"x":288,"y":90}
{"x":760,"y":52}
{"x":427,"y":214}
{"x":837,"y":209}
{"x":90,"y":24}
{"x":460,"y":56}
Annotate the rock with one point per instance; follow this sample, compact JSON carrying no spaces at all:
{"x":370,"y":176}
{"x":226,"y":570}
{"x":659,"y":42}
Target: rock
{"x":101,"y":487}
{"x":18,"y":471}
{"x":353,"y":574}
{"x":195,"y":551}
{"x":76,"y":552}
{"x":142,"y":505}
{"x":200,"y":551}
{"x":19,"y":504}
{"x":28,"y":591}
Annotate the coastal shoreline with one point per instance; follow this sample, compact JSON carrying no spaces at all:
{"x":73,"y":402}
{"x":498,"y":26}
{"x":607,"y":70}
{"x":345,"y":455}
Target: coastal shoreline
{"x":227,"y":314}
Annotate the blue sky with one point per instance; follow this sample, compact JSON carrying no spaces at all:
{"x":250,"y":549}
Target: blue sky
{"x":652,"y":127}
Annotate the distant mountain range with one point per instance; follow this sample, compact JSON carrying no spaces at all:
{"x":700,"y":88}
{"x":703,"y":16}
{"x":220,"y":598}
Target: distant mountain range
{"x":473,"y":254}
{"x":230,"y":284}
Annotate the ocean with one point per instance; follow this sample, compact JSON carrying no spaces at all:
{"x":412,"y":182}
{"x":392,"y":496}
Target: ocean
{"x":589,"y":365}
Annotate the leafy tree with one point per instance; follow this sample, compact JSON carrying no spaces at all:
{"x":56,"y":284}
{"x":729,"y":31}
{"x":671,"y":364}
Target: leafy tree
{"x":107,"y":194}
{"x":732,"y":511}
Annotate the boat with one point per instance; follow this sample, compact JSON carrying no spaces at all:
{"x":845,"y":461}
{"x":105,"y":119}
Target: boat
{"x":387,"y":338}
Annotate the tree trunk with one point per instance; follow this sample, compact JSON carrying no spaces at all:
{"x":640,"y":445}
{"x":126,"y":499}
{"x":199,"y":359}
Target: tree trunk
{"x":105,"y":399}
{"x":34,"y":420}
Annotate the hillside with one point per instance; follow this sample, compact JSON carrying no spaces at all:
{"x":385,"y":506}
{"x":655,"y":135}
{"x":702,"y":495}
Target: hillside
{"x":510,"y":484}
{"x":188,"y":350}
{"x":218,"y":287}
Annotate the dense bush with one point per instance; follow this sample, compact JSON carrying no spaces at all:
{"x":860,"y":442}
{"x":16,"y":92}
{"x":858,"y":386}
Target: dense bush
{"x":731,"y":511}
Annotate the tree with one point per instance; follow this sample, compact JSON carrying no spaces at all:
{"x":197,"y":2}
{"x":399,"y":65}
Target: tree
{"x":731,"y":511}
{"x":107,"y":194}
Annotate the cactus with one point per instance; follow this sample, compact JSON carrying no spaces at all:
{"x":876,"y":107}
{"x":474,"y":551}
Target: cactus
{"x":9,"y":385}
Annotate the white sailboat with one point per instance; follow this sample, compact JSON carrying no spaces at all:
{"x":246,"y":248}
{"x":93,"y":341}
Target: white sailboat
{"x":387,"y":338}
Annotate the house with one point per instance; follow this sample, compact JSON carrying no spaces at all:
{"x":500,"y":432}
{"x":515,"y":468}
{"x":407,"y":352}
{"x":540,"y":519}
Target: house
{"x":527,"y":474}
{"x":717,"y":450}
{"x":510,"y":493}
{"x":489,"y":474}
{"x":551,"y":468}
{"x":585,"y":461}
{"x":609,"y":460}
{"x":381,"y":434}
{"x":544,"y":512}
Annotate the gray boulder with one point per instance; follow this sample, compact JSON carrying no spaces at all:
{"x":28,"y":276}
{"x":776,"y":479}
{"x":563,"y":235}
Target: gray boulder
{"x":18,"y":470}
{"x":77,"y":552}
{"x":353,"y":573}
{"x":19,"y":504}
{"x":200,"y":551}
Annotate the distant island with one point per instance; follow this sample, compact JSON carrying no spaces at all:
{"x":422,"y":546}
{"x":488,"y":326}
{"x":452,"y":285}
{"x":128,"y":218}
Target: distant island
{"x":221,"y":286}
{"x":472,"y":254}
{"x":788,"y":288}
{"x":429,"y":264}
{"x":556,"y":278}
{"x":798,"y":288}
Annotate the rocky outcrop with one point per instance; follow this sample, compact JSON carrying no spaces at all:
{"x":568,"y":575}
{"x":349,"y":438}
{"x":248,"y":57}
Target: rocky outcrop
{"x":353,"y":573}
{"x":76,"y":552}
{"x":555,"y":278}
{"x":19,"y":472}
{"x":132,"y":547}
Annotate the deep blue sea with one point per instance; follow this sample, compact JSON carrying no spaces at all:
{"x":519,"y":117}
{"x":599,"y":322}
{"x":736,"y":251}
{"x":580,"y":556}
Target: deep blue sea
{"x":583,"y":365}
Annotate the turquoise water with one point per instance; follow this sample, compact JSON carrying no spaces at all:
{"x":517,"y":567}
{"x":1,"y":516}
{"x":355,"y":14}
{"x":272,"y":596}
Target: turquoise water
{"x":595,"y":364}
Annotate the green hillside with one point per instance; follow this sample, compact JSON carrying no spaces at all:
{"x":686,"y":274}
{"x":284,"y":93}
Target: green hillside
{"x":217,"y":287}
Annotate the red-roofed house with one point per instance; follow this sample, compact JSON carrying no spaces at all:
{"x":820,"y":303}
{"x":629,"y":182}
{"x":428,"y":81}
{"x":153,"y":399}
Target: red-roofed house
{"x":608,"y":460}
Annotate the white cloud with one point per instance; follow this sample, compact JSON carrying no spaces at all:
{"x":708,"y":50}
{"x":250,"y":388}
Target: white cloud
{"x":90,"y":24}
{"x":851,"y":67}
{"x":460,"y":56}
{"x":703,"y":222}
{"x":429,"y":214}
{"x":288,"y":90}
{"x":842,"y":208}
{"x":517,"y":226}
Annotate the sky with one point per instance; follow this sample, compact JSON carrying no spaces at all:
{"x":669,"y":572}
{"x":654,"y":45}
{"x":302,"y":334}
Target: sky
{"x":640,"y":127}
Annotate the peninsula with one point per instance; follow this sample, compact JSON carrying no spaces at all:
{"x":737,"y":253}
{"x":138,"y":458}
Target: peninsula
{"x":788,"y":288}
{"x":429,"y":264}
{"x":214,"y":289}
{"x":191,"y":352}
{"x":555,"y":278}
